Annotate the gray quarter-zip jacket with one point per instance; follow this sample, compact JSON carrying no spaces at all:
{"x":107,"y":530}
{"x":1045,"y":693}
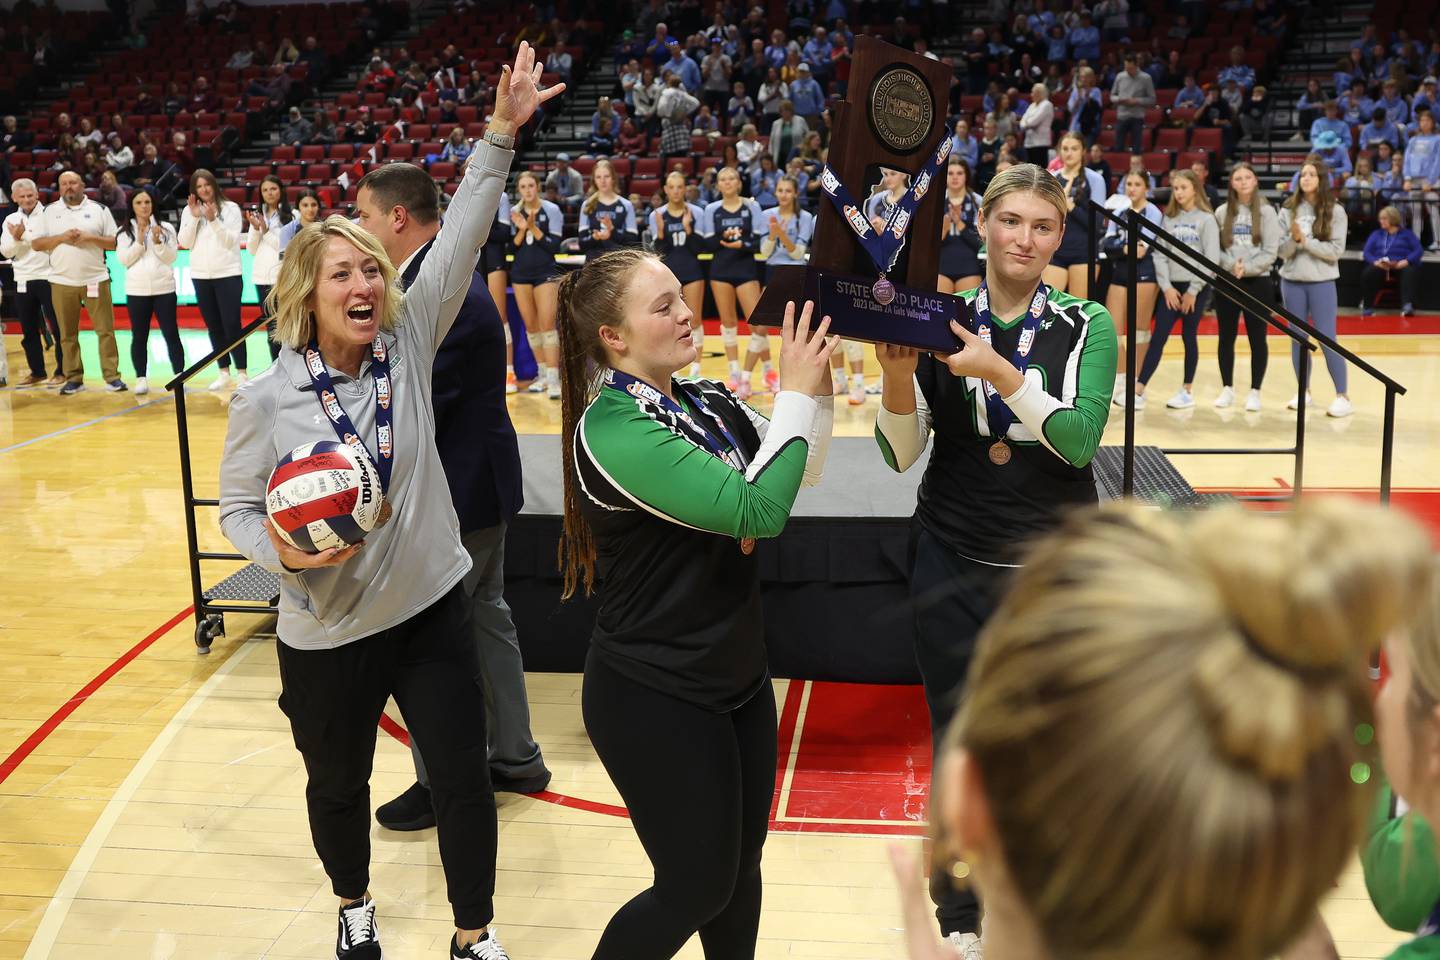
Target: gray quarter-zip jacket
{"x":414,"y":559}
{"x":1197,"y":230}
{"x":1257,"y":257}
{"x":1314,"y":260}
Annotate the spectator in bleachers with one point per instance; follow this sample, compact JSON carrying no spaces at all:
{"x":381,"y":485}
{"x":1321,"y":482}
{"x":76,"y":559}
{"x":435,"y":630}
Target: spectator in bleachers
{"x":658,"y":48}
{"x":1355,"y":107}
{"x":457,"y":149}
{"x":1333,"y":153}
{"x":88,"y":137}
{"x":275,"y":87}
{"x":307,"y":213}
{"x":147,"y":248}
{"x":1424,"y":99}
{"x":565,"y":181}
{"x":1201,"y":169}
{"x":604,"y":110}
{"x":1095,"y":160}
{"x":747,"y":149}
{"x":1113,"y":17}
{"x":119,"y":126}
{"x":777,"y":48}
{"x":242,"y":58}
{"x":646,"y":94}
{"x":1361,"y":193}
{"x":1421,"y":170}
{"x":31,"y":268}
{"x":631,"y":142}
{"x":76,"y":234}
{"x":763,"y":180}
{"x":1085,"y":106}
{"x":286,"y":53}
{"x":1390,"y":251}
{"x":1038,"y":125}
{"x":323,"y":128}
{"x":1133,"y":93}
{"x":807,"y":96}
{"x":704,"y":124}
{"x":602,"y":141}
{"x":174,"y":101}
{"x":715,"y":71}
{"x":1379,"y":130}
{"x":379,"y":77}
{"x":675,"y":108}
{"x":559,"y":61}
{"x":816,"y":51}
{"x":119,"y":157}
{"x":112,"y":196}
{"x":976,"y":61}
{"x":1257,"y":114}
{"x":786,"y":133}
{"x":1216,"y":114}
{"x":772,"y":91}
{"x":210,"y":227}
{"x":1396,"y":107}
{"x":1057,"y":44}
{"x":1238,"y":70}
{"x":1004,"y":116}
{"x":362,"y":129}
{"x":202,"y":99}
{"x":1155,"y":64}
{"x":1084,"y":39}
{"x":266,"y":225}
{"x":150,"y":168}
{"x":476,"y":92}
{"x":990,"y":142}
{"x":1331,"y":123}
{"x":315,"y":56}
{"x":12,"y":138}
{"x":1233,"y":96}
{"x":629,"y":77}
{"x":1311,"y":107}
{"x":964,"y":144}
{"x":683,"y":67}
{"x":1190,"y":95}
{"x":296,"y":130}
{"x":741,"y":108}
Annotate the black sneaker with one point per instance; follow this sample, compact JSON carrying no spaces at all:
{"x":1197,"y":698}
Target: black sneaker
{"x":486,"y":948}
{"x":411,"y":810}
{"x":507,"y":784}
{"x":116,"y":386}
{"x":71,"y":388}
{"x":359,"y":937}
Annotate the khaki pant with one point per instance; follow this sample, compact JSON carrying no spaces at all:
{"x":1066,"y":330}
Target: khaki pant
{"x":68,"y":300}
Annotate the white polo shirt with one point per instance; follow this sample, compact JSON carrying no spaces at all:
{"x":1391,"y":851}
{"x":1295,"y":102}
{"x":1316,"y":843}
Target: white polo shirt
{"x":29,"y":263}
{"x":72,"y":265}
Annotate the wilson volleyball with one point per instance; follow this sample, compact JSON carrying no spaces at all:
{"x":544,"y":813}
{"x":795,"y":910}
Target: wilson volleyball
{"x":323,"y":495}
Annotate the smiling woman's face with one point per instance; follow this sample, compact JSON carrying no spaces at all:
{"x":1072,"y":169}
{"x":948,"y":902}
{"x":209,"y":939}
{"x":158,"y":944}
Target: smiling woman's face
{"x":1022,"y":232}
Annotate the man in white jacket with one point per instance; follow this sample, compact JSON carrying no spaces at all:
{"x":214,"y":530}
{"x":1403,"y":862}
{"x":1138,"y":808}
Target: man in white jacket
{"x":32,"y":281}
{"x":78,"y":231}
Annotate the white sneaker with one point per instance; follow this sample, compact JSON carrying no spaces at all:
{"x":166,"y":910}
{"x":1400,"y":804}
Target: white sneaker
{"x":1183,"y":400}
{"x":552,"y":383}
{"x":487,"y":949}
{"x":1294,"y":403}
{"x":967,"y":946}
{"x":857,"y":394}
{"x":840,"y":387}
{"x":142,"y":386}
{"x":359,"y":934}
{"x":1226,"y":398}
{"x":1139,"y":401}
{"x":1340,"y":407}
{"x":222,"y":382}
{"x":1252,"y":402}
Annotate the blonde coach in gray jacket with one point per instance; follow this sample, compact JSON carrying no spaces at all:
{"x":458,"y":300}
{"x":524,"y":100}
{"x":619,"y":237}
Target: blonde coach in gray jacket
{"x":385,"y":617}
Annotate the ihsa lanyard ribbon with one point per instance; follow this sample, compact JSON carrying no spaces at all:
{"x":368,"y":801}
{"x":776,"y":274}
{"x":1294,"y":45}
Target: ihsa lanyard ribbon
{"x":340,"y":420}
{"x":885,"y":245}
{"x":998,"y":416}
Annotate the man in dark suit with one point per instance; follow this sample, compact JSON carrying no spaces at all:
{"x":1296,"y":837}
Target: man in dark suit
{"x":399,"y":204}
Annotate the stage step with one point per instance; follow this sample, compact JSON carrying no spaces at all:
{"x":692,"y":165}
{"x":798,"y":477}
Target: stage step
{"x":1157,"y":481}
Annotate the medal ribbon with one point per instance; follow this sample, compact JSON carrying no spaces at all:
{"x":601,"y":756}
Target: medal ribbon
{"x":998,"y":416}
{"x":340,"y":420}
{"x":884,"y":248}
{"x":641,"y":390}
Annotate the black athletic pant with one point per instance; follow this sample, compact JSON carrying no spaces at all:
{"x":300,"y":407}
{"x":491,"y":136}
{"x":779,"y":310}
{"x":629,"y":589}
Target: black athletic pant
{"x":1372,"y":276}
{"x":1189,"y":332}
{"x":35,"y":311}
{"x":1227,"y":312}
{"x":698,"y":785}
{"x":262,"y":290}
{"x":952,"y":598}
{"x":219,"y":302}
{"x":334,"y":699}
{"x":162,"y":305}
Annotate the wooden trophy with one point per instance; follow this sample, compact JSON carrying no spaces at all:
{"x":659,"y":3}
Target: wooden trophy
{"x":893,"y":117}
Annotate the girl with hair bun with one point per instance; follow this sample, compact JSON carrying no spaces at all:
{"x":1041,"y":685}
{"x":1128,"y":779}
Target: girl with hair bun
{"x":1017,"y":416}
{"x":668,"y":483}
{"x":1160,"y":754}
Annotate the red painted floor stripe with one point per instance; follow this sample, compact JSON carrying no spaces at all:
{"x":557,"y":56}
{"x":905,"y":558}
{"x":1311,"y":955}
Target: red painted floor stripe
{"x":18,"y":755}
{"x":785,"y":736}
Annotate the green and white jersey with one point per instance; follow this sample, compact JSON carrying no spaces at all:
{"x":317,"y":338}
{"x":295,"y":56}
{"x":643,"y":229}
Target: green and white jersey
{"x":986,"y":512}
{"x":679,"y":601}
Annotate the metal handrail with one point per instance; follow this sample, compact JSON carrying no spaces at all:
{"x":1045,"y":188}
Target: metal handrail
{"x":1226,"y":285}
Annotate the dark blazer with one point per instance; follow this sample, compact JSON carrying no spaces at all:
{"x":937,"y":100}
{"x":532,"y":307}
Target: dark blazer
{"x":473,"y":432}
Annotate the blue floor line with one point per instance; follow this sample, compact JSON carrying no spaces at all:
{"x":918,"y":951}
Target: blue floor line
{"x":80,"y":426}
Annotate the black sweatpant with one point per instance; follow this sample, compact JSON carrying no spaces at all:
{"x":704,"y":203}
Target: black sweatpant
{"x":1227,"y":312}
{"x":952,"y":599}
{"x":1189,"y":332}
{"x":262,"y":290}
{"x":140,"y":308}
{"x":36,"y":311}
{"x":1371,"y":278}
{"x":698,"y":785}
{"x":334,"y":699}
{"x":219,"y":303}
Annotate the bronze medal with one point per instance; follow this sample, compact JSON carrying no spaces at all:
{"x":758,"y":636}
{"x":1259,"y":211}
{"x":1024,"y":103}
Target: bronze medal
{"x":1000,"y":453}
{"x":883,"y":291}
{"x":747,"y":546}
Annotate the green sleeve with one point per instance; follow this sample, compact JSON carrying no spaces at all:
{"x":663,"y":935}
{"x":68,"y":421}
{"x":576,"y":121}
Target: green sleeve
{"x":1401,"y":869}
{"x":635,"y":462}
{"x":1071,"y":426}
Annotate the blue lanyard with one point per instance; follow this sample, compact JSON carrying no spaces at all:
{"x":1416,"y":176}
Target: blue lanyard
{"x":724,"y":446}
{"x":997,"y":415}
{"x":340,"y":420}
{"x":884,"y":248}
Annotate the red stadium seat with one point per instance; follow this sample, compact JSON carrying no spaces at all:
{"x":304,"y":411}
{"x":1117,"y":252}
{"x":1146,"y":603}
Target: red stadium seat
{"x":1157,"y":163}
{"x":400,"y":151}
{"x":237,"y":194}
{"x":645,"y":187}
{"x":282,"y":154}
{"x":685,"y":165}
{"x":622,"y":166}
{"x":254,"y":175}
{"x":583,"y":166}
{"x":318,"y":172}
{"x":1206,"y":138}
{"x":293,"y":194}
{"x":288,"y":173}
{"x":310,"y":153}
{"x":1118,"y":162}
{"x":419,"y":131}
{"x":342,"y":151}
{"x":1191,"y":156}
{"x":644,"y":166}
{"x":708,"y":163}
{"x":700,"y":145}
{"x":442,"y":170}
{"x":1170,"y":139}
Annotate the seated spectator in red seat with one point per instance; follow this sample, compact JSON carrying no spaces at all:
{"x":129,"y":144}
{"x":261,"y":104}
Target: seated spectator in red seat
{"x":703,"y":123}
{"x":118,"y":125}
{"x":362,"y":129}
{"x":323,"y":128}
{"x":412,"y":85}
{"x":631,"y":142}
{"x":602,"y":139}
{"x":457,"y":148}
{"x":62,"y":126}
{"x":1216,"y":113}
{"x":316,"y":58}
{"x":1390,"y":251}
{"x":174,"y":99}
{"x":202,"y":98}
{"x":378,"y":78}
{"x":179,"y":153}
{"x":112,"y":195}
{"x":145,"y":103}
{"x":12,"y":138}
{"x":1257,"y":114}
{"x":240,"y":59}
{"x":287,"y":53}
{"x":150,"y":168}
{"x":68,"y":154}
{"x":476,"y":92}
{"x":274,"y":87}
{"x":89,"y":138}
{"x":296,"y":130}
{"x":94,"y":169}
{"x":119,"y":157}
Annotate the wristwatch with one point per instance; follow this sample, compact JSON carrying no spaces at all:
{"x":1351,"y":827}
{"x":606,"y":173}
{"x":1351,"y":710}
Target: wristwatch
{"x":500,"y":140}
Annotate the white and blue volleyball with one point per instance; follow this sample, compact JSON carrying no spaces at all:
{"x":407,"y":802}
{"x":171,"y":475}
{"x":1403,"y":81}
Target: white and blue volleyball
{"x":322,"y":495}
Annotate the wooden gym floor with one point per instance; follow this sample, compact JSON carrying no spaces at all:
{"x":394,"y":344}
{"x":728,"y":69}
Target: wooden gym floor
{"x":151,"y":800}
